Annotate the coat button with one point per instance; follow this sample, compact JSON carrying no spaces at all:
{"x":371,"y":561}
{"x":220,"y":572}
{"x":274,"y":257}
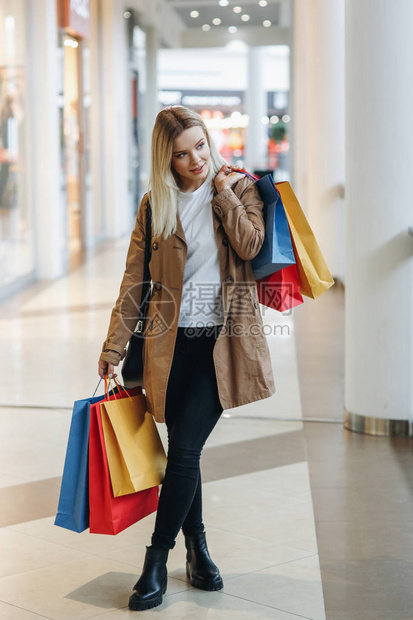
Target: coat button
{"x":255,"y":304}
{"x":225,"y":241}
{"x":229,"y":279}
{"x":155,"y":246}
{"x":158,"y":286}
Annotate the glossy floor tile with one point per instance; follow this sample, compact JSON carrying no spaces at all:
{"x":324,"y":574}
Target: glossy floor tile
{"x":257,"y":497}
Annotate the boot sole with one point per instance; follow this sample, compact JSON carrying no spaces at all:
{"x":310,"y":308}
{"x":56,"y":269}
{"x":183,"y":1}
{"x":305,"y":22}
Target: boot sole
{"x":137,"y":606}
{"x":203,"y":585}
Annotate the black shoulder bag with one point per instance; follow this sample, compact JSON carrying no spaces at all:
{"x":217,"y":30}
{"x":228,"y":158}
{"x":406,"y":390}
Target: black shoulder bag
{"x":132,"y":367}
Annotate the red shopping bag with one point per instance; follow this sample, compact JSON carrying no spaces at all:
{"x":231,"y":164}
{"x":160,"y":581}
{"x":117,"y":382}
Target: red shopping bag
{"x":109,"y":514}
{"x":280,"y":290}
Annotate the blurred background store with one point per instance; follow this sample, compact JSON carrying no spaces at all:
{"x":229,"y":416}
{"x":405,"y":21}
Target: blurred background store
{"x":80,"y":85}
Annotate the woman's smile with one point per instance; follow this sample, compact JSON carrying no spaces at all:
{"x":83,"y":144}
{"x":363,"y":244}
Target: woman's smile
{"x":199,"y":169}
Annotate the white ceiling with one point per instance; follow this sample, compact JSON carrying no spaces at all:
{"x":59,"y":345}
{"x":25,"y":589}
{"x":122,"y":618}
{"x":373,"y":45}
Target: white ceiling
{"x":278,"y":12}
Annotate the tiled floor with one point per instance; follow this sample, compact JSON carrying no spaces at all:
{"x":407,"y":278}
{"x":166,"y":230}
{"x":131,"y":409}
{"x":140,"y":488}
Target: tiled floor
{"x":258,"y":506}
{"x":361,"y":486}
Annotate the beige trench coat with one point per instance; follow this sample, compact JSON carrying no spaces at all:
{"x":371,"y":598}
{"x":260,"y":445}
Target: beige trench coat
{"x":241,"y":354}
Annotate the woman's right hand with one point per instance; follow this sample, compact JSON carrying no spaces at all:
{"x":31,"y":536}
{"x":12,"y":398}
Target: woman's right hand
{"x":106,"y":368}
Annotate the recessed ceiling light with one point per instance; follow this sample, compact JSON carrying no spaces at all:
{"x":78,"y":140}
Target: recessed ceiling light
{"x":237,"y":9}
{"x":232,"y":29}
{"x":194,"y":14}
{"x":223,"y":2}
{"x":216,"y":21}
{"x":127,"y":14}
{"x":266,"y":23}
{"x":206,"y":27}
{"x":263,"y":2}
{"x":245,"y":17}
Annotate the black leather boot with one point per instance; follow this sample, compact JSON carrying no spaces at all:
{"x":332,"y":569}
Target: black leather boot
{"x":200,"y":569}
{"x":151,"y":585}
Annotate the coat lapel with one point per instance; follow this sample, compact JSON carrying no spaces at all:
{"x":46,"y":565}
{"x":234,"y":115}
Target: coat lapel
{"x":179,"y":229}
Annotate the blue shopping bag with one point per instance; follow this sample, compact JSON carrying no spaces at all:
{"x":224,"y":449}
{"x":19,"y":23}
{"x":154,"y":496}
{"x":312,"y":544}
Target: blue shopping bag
{"x":277,"y":250}
{"x":73,"y":508}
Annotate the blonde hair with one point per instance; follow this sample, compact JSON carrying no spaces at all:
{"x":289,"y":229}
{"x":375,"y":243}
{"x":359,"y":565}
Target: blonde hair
{"x":163,"y":185}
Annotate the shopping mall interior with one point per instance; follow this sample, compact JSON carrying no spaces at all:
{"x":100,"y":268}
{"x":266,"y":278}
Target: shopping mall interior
{"x":306,"y":494}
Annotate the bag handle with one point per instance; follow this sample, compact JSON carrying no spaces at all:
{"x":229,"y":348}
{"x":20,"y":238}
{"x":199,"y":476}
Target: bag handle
{"x":122,"y":387}
{"x":251,"y":176}
{"x":117,"y":384}
{"x":108,"y":382}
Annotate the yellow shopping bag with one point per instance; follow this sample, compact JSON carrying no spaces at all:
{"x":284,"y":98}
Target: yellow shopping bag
{"x":136,"y":456}
{"x":313,"y":272}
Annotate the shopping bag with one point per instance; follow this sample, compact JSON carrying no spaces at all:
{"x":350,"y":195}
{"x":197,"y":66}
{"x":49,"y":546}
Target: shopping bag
{"x":280,"y":290}
{"x":277,"y":251}
{"x":315,"y":278}
{"x":136,"y":456}
{"x":73,"y":507}
{"x":109,"y":514}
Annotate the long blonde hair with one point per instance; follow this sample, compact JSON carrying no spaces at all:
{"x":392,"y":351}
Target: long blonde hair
{"x":163,"y":185}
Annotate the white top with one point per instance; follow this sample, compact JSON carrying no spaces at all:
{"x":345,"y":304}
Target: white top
{"x":201,"y":302}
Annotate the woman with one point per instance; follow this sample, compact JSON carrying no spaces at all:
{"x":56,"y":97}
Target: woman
{"x":204,"y":348}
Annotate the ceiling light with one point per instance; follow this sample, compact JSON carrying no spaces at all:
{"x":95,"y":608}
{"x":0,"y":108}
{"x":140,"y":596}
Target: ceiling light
{"x":194,"y":14}
{"x":263,"y":2}
{"x":216,"y":21}
{"x":232,"y":29}
{"x":223,"y":2}
{"x":266,"y":23}
{"x":127,"y":14}
{"x":206,"y":27}
{"x":237,"y":9}
{"x":264,"y":120}
{"x":245,"y":17}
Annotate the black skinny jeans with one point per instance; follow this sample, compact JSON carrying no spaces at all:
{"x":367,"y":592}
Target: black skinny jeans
{"x":192,"y":409}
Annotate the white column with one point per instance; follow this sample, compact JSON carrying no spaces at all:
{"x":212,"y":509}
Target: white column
{"x":152,"y":104}
{"x":115,"y":98}
{"x":379,"y":253}
{"x":256,"y":107}
{"x":45,"y":168}
{"x":319,"y":122}
{"x":325,"y":142}
{"x":299,"y":101}
{"x":95,"y":214}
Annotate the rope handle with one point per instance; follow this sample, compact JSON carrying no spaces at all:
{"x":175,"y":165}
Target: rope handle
{"x":251,"y":176}
{"x":107,"y":379}
{"x":122,"y":387}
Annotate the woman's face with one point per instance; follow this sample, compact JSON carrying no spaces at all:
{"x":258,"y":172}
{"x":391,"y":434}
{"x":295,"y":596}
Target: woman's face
{"x":190,"y":151}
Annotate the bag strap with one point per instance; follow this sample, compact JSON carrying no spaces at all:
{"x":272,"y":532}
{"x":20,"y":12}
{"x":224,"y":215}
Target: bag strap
{"x":251,"y":176}
{"x":146,"y":288}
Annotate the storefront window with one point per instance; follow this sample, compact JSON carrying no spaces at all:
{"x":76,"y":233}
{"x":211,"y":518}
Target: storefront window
{"x":16,"y":234}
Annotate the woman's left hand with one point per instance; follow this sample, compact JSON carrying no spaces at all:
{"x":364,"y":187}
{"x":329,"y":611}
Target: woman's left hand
{"x":225,"y":179}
